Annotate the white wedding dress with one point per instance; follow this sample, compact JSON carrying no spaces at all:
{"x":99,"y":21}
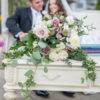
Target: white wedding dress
{"x":93,"y":37}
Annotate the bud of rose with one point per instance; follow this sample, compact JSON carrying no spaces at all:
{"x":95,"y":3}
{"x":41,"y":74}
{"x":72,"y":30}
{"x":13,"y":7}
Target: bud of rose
{"x":59,"y":36}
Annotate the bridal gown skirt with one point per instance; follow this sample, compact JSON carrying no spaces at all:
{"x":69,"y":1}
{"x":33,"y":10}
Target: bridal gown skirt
{"x":93,"y":37}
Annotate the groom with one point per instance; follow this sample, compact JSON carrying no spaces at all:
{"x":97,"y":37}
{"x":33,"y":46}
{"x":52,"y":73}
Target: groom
{"x":24,"y":18}
{"x":22,"y":21}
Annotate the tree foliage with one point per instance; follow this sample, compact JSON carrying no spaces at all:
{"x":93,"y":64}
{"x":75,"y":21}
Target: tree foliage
{"x":98,"y":5}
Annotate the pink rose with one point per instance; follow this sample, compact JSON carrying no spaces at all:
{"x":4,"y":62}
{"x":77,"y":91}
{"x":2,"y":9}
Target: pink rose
{"x":61,"y":18}
{"x":59,"y":36}
{"x":55,"y":21}
{"x":56,"y":24}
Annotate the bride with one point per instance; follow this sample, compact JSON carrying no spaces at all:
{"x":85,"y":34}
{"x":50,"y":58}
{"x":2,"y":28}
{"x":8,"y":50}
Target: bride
{"x":57,"y":6}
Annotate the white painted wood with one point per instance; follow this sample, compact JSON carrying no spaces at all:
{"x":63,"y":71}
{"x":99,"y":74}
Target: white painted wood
{"x":60,"y":77}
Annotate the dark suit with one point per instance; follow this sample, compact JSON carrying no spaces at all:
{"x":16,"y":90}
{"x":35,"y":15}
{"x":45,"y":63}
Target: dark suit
{"x":21,"y":20}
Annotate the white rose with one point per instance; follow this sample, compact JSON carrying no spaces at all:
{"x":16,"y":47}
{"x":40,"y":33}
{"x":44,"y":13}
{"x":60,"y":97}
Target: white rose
{"x":49,"y":22}
{"x":53,"y":56}
{"x":70,"y":20}
{"x":60,"y":46}
{"x":74,"y":42}
{"x":62,"y":55}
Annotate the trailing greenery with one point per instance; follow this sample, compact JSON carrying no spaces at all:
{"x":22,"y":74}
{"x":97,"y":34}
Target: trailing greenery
{"x":87,"y":63}
{"x":28,"y":83}
{"x":35,"y":58}
{"x":54,"y":39}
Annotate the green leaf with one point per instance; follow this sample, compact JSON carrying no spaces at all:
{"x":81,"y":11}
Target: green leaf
{"x":82,"y":80}
{"x":29,"y":73}
{"x":14,"y":63}
{"x":35,"y":61}
{"x":37,"y":55}
{"x":20,"y":84}
{"x":42,"y":44}
{"x":25,"y":38}
{"x":46,"y":60}
{"x":80,"y":23}
{"x":33,"y":83}
{"x":45,"y":69}
{"x":82,"y":33}
{"x":4,"y":65}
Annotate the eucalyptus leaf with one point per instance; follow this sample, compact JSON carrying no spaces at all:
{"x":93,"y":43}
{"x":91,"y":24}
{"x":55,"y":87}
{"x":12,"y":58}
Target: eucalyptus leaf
{"x":35,"y":61}
{"x":46,"y":60}
{"x":82,"y":80}
{"x":42,"y":44}
{"x":37,"y":55}
{"x":4,"y":65}
{"x":80,"y":23}
{"x":33,"y":83}
{"x":20,"y":84}
{"x":25,"y":38}
{"x":45,"y":69}
{"x":14,"y":63}
{"x":29,"y":73}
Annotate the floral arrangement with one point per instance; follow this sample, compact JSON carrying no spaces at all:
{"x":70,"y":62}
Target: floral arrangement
{"x":55,"y":38}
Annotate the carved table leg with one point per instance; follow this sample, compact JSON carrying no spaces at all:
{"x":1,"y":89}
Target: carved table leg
{"x":10,"y":95}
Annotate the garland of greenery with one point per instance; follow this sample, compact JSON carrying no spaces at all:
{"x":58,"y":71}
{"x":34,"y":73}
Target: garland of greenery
{"x":77,"y":54}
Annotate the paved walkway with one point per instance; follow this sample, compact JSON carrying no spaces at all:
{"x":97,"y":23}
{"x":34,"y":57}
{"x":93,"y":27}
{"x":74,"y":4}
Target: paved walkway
{"x":53,"y":95}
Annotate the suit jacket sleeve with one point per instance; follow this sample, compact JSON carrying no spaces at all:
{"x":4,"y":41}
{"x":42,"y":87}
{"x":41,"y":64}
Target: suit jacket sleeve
{"x":12,"y":22}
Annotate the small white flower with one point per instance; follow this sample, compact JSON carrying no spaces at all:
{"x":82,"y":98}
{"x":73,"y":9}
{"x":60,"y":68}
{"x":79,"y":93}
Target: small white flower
{"x":84,"y":29}
{"x":49,"y":22}
{"x":74,"y":32}
{"x":60,"y":46}
{"x":53,"y":56}
{"x":67,"y":39}
{"x":66,"y":27}
{"x":70,"y":20}
{"x":35,"y":44}
{"x":75,"y":28}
